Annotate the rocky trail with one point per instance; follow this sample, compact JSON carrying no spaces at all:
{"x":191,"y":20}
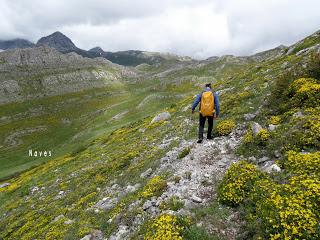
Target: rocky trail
{"x":194,"y":182}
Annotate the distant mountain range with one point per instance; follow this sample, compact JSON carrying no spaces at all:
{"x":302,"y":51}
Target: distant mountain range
{"x":15,"y":43}
{"x":63,"y":44}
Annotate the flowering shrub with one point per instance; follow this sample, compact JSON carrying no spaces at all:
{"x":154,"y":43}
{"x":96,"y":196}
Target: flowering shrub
{"x":305,"y":92}
{"x":312,"y":128}
{"x":298,"y":83}
{"x":292,"y":210}
{"x":237,"y":182}
{"x":164,"y":227}
{"x":262,"y":189}
{"x":283,"y":205}
{"x":225,"y":127}
{"x":275,"y":120}
{"x":288,"y":210}
{"x":303,"y":163}
{"x":248,"y":138}
{"x":263,"y":135}
{"x":154,"y":187}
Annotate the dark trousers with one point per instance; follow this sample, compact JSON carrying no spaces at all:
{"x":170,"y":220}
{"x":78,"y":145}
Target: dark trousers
{"x":202,"y":121}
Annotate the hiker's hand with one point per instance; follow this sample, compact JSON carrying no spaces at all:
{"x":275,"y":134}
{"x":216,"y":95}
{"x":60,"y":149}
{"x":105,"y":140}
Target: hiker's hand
{"x":216,"y":116}
{"x":192,"y":111}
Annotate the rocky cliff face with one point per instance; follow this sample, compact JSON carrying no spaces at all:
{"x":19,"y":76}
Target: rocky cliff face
{"x":43,"y":71}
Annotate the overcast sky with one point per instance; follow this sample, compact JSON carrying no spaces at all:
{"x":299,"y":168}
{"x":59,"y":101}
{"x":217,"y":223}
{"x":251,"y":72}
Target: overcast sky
{"x":197,"y":28}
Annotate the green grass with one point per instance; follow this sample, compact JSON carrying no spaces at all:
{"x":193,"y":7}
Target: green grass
{"x":95,"y":151}
{"x":308,"y":42}
{"x":198,"y":233}
{"x":81,"y":109}
{"x":106,"y":158}
{"x":184,"y":153}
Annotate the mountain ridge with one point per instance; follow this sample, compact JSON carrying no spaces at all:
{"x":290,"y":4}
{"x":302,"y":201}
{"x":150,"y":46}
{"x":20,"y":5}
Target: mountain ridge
{"x":58,"y":51}
{"x":128,"y":57}
{"x":15,"y":43}
{"x":50,"y":73}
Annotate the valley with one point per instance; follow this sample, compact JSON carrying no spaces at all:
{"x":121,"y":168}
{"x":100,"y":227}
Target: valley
{"x":117,"y":172}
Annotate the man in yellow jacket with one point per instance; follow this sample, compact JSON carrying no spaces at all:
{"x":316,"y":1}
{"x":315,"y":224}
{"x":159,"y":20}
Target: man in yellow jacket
{"x":209,"y":109}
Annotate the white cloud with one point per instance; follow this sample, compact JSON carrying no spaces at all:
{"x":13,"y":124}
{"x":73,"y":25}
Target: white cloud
{"x":198,"y":28}
{"x":185,"y":31}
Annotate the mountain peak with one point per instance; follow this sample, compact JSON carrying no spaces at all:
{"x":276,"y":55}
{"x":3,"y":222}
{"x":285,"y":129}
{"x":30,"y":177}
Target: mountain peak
{"x":58,"y":33}
{"x":96,"y":50}
{"x":58,"y":41}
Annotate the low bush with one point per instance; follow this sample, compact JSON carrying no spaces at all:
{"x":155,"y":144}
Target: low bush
{"x":225,"y":127}
{"x":289,"y":211}
{"x":275,"y":120}
{"x":299,"y":163}
{"x":164,"y":227}
{"x":248,"y":137}
{"x":276,"y":210}
{"x":304,"y":92}
{"x":154,"y":187}
{"x":262,"y":136}
{"x":237,"y":182}
{"x":184,"y":152}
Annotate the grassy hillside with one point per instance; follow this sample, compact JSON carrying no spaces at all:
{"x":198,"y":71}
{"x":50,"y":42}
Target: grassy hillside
{"x":72,"y":119}
{"x":93,"y":185}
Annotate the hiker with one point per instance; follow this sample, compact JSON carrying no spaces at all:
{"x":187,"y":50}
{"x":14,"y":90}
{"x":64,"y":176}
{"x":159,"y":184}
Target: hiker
{"x":209,"y":108}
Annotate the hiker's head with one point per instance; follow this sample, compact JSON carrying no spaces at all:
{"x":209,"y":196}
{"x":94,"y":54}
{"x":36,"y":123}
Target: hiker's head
{"x":208,"y":85}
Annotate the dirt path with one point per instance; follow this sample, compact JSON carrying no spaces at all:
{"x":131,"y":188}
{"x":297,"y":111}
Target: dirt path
{"x":198,"y":173}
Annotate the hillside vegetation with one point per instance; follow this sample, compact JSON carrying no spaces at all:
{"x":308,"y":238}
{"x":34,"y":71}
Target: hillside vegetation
{"x":118,"y":173}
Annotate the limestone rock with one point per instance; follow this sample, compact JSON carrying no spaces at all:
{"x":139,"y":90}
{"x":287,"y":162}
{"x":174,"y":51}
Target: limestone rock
{"x":106,"y":203}
{"x":273,"y":168}
{"x":94,"y":235}
{"x":160,"y":117}
{"x":58,"y":218}
{"x":148,"y":204}
{"x":68,"y":222}
{"x":147,"y":173}
{"x":196,"y":199}
{"x":130,"y":188}
{"x":249,"y":116}
{"x":298,"y":114}
{"x":277,"y":154}
{"x":121,"y":234}
{"x":3,"y":185}
{"x":263,"y":160}
{"x":285,"y":65}
{"x":256,"y":127}
{"x":34,"y":189}
{"x":272,"y":127}
{"x":86,"y":237}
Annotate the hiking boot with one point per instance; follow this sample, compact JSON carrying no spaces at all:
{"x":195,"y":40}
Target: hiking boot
{"x":210,"y":138}
{"x":199,"y":141}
